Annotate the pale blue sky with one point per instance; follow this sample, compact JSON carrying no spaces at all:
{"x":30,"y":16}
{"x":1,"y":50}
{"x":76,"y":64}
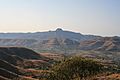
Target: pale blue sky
{"x":100,"y":17}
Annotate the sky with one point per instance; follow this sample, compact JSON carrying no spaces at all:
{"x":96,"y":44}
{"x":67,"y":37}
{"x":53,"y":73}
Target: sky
{"x":98,"y":17}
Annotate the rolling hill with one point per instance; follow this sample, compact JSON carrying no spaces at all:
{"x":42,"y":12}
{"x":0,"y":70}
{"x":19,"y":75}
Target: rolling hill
{"x":15,"y":60}
{"x":102,"y":44}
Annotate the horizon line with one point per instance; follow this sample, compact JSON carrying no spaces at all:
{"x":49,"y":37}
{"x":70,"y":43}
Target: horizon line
{"x":25,"y":32}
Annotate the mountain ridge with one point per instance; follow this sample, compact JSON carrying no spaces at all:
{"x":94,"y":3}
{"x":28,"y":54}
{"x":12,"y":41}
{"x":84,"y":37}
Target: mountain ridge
{"x":58,"y":33}
{"x":57,"y":40}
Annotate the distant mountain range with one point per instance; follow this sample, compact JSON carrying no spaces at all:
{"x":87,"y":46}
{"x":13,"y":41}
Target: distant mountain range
{"x":58,"y":33}
{"x":60,"y":40}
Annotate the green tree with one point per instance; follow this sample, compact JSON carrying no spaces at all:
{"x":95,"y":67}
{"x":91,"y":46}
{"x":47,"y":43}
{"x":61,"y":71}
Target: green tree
{"x":75,"y":68}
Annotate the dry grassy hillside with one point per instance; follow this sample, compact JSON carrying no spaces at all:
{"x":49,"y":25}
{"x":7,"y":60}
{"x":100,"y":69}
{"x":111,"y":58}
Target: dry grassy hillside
{"x":14,"y":62}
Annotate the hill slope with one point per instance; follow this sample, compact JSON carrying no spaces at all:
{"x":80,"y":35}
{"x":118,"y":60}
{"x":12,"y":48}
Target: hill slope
{"x":103,"y":44}
{"x":15,"y":60}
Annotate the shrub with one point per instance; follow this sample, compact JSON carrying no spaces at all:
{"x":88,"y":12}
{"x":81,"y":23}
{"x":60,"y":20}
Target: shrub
{"x":75,"y":68}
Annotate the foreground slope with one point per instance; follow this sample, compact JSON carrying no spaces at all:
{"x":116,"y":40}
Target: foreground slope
{"x":14,"y":62}
{"x":21,"y":52}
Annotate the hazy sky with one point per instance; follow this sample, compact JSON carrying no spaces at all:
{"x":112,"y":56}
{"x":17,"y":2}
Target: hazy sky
{"x":100,"y":17}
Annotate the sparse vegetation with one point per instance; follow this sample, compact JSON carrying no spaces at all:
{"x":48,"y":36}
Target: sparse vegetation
{"x":88,"y":65}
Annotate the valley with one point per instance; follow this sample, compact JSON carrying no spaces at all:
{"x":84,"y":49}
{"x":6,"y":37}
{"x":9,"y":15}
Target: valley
{"x":32,"y":56}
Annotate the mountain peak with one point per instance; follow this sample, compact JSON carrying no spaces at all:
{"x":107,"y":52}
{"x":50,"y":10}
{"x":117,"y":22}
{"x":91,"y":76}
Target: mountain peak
{"x":59,"y":29}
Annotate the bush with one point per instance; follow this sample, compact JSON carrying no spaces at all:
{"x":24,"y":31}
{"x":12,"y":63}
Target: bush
{"x":75,"y":68}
